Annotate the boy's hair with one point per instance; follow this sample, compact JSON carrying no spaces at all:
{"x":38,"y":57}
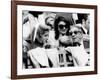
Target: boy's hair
{"x":42,"y":29}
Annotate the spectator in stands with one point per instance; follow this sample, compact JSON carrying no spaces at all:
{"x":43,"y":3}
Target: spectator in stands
{"x":38,"y":54}
{"x":62,"y":26}
{"x":49,"y":21}
{"x":79,"y":55}
{"x":84,"y":19}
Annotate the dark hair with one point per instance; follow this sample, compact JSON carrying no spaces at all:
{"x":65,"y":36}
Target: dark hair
{"x":57,"y":20}
{"x":79,"y":26}
{"x":35,"y":13}
{"x":81,"y":17}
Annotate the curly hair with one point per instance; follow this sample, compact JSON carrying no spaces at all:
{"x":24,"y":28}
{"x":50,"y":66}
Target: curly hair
{"x":57,"y":20}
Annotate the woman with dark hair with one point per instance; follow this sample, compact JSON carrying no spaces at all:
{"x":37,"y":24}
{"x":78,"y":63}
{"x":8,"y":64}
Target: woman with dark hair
{"x":62,"y":26}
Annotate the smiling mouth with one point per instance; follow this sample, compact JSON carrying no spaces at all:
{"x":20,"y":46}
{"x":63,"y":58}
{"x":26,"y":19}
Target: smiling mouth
{"x":73,"y":38}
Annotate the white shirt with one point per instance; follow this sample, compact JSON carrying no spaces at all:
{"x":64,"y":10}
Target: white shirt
{"x":79,"y":55}
{"x":41,"y":55}
{"x":85,"y":30}
{"x":53,"y":56}
{"x":38,"y":55}
{"x":52,"y":40}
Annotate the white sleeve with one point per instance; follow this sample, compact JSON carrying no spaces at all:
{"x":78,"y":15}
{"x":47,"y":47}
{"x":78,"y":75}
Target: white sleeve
{"x":34,"y":61}
{"x":40,"y":56}
{"x":82,"y":59}
{"x":80,"y":56}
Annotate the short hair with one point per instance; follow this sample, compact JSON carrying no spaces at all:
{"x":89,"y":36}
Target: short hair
{"x":79,"y":26}
{"x":35,"y":13}
{"x":56,"y":22}
{"x":47,"y":19}
{"x":81,"y":17}
{"x":42,"y":29}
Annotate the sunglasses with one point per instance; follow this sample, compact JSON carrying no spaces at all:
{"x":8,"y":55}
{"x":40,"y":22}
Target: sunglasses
{"x":75,"y":32}
{"x":62,"y":26}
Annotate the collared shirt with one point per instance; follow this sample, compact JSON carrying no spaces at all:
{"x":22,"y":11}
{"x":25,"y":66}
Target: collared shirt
{"x":85,"y":30}
{"x":80,"y":57}
{"x":39,"y":56}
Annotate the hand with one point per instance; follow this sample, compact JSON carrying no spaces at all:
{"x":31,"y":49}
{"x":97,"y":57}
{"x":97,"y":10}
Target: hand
{"x":62,"y":50}
{"x":65,"y":40}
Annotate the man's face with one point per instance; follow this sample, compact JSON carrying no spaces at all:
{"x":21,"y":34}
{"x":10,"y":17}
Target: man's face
{"x":50,"y":21}
{"x":62,"y":27}
{"x":88,"y":23}
{"x":76,"y":34}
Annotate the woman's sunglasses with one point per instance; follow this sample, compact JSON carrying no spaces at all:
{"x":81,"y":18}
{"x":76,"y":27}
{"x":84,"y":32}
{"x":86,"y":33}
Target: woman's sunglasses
{"x":62,"y":26}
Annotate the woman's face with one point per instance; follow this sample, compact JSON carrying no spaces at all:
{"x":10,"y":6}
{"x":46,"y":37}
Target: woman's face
{"x":62,"y":28}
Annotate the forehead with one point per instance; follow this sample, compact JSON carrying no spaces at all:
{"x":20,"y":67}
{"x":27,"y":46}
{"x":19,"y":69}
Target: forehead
{"x":74,"y":28}
{"x":62,"y":22}
{"x":50,"y":18}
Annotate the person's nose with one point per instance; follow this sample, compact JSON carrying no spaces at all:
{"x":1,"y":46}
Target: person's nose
{"x":73,"y":34}
{"x":47,"y":40}
{"x":63,"y":27}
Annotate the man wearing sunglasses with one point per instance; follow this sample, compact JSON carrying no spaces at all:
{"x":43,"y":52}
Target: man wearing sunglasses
{"x":76,"y":34}
{"x":79,"y":55}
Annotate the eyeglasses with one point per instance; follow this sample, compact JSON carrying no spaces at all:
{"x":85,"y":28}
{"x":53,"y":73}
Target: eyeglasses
{"x":75,"y":32}
{"x":62,"y":26}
